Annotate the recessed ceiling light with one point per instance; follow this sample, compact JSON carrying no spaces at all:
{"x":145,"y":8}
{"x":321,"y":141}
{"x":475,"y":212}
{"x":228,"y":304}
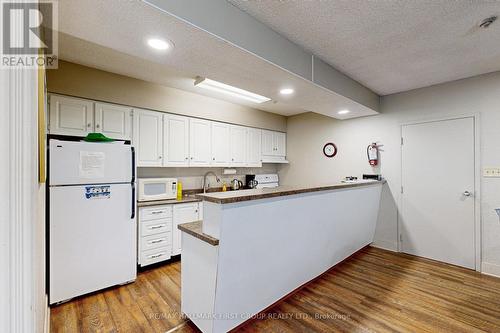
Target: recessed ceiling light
{"x":343,"y":111}
{"x":230,"y":90}
{"x":287,"y":91}
{"x":159,"y":44}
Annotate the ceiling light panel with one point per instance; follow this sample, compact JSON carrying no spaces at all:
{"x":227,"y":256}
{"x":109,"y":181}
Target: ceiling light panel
{"x":230,"y":90}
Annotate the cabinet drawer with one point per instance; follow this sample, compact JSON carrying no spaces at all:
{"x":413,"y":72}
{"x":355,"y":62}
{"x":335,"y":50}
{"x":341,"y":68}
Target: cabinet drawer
{"x":156,"y":241}
{"x":155,"y":255}
{"x":154,"y":227}
{"x":155,"y":213}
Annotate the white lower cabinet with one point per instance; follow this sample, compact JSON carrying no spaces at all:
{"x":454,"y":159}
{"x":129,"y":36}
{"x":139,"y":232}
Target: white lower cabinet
{"x":183,"y":213}
{"x":154,"y":234}
{"x":158,"y":236}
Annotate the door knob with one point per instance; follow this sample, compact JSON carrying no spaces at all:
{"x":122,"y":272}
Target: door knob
{"x":467,"y":194}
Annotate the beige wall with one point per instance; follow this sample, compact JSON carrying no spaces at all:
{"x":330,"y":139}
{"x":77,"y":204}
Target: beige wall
{"x":307,"y":133}
{"x":77,"y":80}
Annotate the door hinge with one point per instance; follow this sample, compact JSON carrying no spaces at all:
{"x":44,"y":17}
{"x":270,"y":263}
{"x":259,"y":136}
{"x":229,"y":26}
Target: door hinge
{"x":402,"y":189}
{"x":402,"y":141}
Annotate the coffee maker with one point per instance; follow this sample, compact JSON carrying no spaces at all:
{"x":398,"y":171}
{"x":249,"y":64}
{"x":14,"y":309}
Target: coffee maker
{"x":250,"y":181}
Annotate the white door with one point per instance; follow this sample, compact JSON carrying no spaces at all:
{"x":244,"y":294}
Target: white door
{"x":238,"y":145}
{"x":254,"y":147}
{"x":280,"y":143}
{"x":199,"y":142}
{"x":438,"y":191}
{"x":267,"y":143}
{"x":114,"y":121}
{"x":71,"y":116}
{"x":176,"y":140}
{"x":220,"y":144}
{"x":183,"y":213}
{"x":148,"y":137}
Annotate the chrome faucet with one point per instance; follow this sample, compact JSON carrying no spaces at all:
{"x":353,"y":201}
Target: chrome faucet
{"x":205,"y":180}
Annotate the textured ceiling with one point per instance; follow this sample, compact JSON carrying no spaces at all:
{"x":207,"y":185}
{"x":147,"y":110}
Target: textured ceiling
{"x":390,"y":45}
{"x":111,"y":35}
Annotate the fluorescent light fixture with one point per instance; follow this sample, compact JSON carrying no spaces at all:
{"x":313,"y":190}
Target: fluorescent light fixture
{"x":159,"y":44}
{"x":230,"y":90}
{"x":287,"y":91}
{"x":343,"y":111}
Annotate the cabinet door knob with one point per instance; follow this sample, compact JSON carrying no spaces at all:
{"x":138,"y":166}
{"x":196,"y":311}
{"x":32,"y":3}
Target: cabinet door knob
{"x":213,"y":159}
{"x":159,"y":157}
{"x":186,"y":158}
{"x":97,"y":126}
{"x":191,"y":157}
{"x":89,"y":125}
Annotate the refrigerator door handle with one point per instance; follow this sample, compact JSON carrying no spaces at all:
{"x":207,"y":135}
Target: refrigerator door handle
{"x":133,"y":163}
{"x":133,"y":200}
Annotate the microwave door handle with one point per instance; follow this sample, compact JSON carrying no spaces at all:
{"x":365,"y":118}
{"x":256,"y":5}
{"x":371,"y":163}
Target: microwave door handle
{"x":133,"y":201}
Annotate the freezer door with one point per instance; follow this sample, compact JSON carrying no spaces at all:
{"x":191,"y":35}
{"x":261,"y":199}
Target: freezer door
{"x":92,"y":240}
{"x":73,"y":163}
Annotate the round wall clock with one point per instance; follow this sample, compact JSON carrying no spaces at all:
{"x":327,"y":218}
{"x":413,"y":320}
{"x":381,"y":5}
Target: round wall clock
{"x":330,"y":149}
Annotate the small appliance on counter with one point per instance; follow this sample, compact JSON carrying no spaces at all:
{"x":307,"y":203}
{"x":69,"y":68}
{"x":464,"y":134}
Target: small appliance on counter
{"x":151,"y":189}
{"x":269,"y":180}
{"x":251,"y":182}
{"x":372,"y":177}
{"x":236,"y":184}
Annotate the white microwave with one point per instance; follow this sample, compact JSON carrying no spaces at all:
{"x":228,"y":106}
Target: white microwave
{"x":157,"y":189}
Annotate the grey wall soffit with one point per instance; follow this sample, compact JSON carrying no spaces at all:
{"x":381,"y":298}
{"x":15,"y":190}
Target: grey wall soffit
{"x":328,"y":77}
{"x":225,"y":21}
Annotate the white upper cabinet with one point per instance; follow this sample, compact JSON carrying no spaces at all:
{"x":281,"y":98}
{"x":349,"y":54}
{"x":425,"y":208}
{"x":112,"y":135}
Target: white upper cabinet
{"x":280,"y":143}
{"x":148,"y":137}
{"x":114,"y":121}
{"x":267,"y":143}
{"x":200,"y":142}
{"x":238,"y":145}
{"x":175,"y":140}
{"x":220,"y":144}
{"x":71,"y":116}
{"x":273,"y":147}
{"x":254,"y":147}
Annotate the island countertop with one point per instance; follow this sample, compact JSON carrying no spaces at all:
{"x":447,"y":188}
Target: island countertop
{"x":255,"y":194}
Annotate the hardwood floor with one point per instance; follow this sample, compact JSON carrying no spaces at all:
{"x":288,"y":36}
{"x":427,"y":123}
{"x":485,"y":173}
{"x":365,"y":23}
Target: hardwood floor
{"x":373,"y":291}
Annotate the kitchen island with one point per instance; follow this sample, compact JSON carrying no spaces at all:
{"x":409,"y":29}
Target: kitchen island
{"x":254,"y":247}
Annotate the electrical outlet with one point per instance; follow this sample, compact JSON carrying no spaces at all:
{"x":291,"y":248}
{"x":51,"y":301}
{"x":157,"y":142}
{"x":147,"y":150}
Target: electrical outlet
{"x":491,"y":172}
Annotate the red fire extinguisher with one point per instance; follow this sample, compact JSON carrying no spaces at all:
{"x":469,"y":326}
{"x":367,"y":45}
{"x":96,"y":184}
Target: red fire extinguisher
{"x":372,"y":152}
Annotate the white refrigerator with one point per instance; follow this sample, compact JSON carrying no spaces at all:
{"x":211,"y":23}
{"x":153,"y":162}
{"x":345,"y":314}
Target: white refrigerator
{"x":92,"y":228}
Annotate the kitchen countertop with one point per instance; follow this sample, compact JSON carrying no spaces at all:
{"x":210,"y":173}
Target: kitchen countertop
{"x":195,"y":229}
{"x":255,"y":194}
{"x":185,"y":199}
